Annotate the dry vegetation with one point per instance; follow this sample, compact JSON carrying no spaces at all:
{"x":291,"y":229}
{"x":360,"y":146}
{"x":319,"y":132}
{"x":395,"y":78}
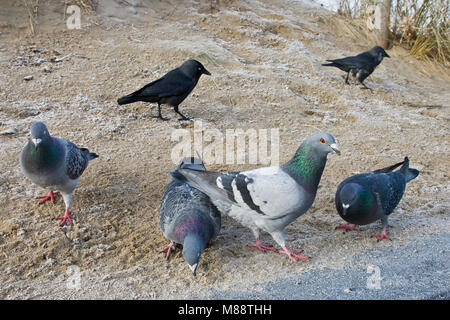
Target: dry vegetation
{"x":420,"y":26}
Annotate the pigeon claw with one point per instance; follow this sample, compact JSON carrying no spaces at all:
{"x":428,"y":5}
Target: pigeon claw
{"x":169,"y":249}
{"x":293,"y":256}
{"x":348,"y":227}
{"x":65,"y":218}
{"x":261,"y":247}
{"x":49,"y":196}
{"x":383,"y":235}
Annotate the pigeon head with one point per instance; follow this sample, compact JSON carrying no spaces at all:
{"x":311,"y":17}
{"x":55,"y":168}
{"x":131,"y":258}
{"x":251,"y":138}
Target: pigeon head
{"x":193,"y":247}
{"x":194,"y":69}
{"x":39,"y":134}
{"x":322,"y":143}
{"x":349,"y":195}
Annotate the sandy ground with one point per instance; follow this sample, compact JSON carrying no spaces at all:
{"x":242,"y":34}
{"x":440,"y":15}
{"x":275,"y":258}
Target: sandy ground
{"x":265,"y":59}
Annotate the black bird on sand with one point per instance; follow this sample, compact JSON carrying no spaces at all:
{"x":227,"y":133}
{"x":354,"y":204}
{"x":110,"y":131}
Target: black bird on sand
{"x":360,"y":66}
{"x":171,"y":89}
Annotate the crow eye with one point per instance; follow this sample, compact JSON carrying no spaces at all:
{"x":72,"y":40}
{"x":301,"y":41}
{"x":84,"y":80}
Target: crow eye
{"x":322,"y":140}
{"x":199,"y":68}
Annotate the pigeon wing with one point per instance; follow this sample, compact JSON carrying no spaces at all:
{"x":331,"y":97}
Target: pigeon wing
{"x":76,"y":160}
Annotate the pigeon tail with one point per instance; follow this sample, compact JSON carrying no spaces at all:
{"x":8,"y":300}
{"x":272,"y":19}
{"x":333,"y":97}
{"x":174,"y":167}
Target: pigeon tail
{"x":391,"y":168}
{"x":90,"y":155}
{"x":409,"y":173}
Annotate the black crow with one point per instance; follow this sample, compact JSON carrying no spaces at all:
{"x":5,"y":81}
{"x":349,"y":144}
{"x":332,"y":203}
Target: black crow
{"x":171,"y":89}
{"x":360,"y":66}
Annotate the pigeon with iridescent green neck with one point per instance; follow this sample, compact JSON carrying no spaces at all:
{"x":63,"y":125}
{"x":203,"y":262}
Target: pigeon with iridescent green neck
{"x":367,"y":197}
{"x":54,"y":163}
{"x":269,"y":198}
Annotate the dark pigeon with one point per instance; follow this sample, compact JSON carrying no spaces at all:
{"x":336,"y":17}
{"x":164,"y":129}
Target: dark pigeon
{"x":360,"y":66}
{"x":171,"y":89}
{"x":188,"y":217}
{"x":54,"y":163}
{"x":367,"y":197}
{"x":268,"y":198}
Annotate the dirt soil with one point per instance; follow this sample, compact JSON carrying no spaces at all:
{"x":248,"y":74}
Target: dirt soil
{"x":265,"y":59}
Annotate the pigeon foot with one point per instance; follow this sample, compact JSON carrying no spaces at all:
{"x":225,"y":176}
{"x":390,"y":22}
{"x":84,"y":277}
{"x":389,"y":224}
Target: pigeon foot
{"x":261,"y":247}
{"x":49,"y":196}
{"x":383,"y":235}
{"x":348,"y":227}
{"x":169,"y":249}
{"x":65,"y":218}
{"x":293,"y":256}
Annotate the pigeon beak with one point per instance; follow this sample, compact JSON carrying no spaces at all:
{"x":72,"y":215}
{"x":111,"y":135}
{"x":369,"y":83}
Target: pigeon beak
{"x":345,"y":207}
{"x":193,"y":268}
{"x":206,"y":72}
{"x":36,"y":142}
{"x":335,"y":148}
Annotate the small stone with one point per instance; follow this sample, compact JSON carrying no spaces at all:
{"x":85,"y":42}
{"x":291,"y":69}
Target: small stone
{"x":348,"y":290}
{"x":50,"y":261}
{"x":8,"y":131}
{"x":47,"y":69}
{"x":28,"y":78}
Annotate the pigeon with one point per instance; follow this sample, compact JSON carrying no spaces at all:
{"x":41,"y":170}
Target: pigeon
{"x":54,"y":163}
{"x":360,"y":66}
{"x":268,"y":198}
{"x":171,"y":89}
{"x":188,"y":217}
{"x":367,"y":197}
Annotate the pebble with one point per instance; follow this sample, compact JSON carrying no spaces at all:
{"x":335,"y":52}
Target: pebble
{"x":348,"y":290}
{"x":8,"y":131}
{"x":47,"y":69}
{"x":28,"y":78}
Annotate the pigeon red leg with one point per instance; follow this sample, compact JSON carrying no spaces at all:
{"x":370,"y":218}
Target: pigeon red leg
{"x":348,"y":227}
{"x":383,"y":235}
{"x":262,"y":247}
{"x":169,"y":249}
{"x":65,"y":218}
{"x":293,"y":256}
{"x":49,"y":196}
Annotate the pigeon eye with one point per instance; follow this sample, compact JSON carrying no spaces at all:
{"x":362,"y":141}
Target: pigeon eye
{"x":322,"y":140}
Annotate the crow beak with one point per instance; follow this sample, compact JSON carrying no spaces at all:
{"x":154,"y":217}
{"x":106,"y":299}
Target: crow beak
{"x":335,"y":148}
{"x":206,"y":72}
{"x":386,"y":55}
{"x":36,"y":142}
{"x":193,"y":268}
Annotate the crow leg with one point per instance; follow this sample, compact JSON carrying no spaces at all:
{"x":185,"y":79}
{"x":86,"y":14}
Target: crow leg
{"x":183,"y":117}
{"x":346,"y":79}
{"x":366,"y":87}
{"x":159,"y":114}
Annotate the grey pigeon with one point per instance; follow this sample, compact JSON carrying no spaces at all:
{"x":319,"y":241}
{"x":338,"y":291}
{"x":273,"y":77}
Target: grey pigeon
{"x":268,"y":198}
{"x":367,"y":197}
{"x":188,"y":217}
{"x":360,"y":66}
{"x":171,"y":89}
{"x":54,"y":163}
